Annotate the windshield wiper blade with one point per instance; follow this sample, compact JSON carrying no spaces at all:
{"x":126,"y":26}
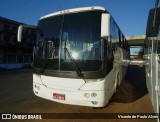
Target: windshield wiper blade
{"x":77,"y":69}
{"x":44,"y":65}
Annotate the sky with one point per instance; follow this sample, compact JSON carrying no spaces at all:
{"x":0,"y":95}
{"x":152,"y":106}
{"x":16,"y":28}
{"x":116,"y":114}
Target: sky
{"x":130,"y":15}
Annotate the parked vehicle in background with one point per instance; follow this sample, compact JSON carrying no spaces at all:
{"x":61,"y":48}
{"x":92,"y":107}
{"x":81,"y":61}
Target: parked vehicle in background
{"x":152,"y":56}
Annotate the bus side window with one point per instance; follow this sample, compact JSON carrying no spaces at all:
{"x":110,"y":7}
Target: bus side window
{"x":120,"y":39}
{"x":123,"y":41}
{"x":109,"y":55}
{"x":127,"y":47}
{"x":114,"y":35}
{"x":155,"y":46}
{"x":158,"y":47}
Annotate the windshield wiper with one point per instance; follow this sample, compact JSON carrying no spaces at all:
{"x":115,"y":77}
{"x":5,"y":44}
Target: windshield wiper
{"x":44,"y":65}
{"x":77,"y":69}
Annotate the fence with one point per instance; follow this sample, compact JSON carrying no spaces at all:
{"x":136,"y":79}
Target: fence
{"x":16,"y":62}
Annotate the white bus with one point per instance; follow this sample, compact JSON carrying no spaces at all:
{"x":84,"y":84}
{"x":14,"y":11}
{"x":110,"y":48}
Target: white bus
{"x":152,"y":57}
{"x":77,"y":56}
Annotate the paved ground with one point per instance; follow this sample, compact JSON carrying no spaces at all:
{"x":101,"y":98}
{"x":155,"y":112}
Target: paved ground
{"x":16,"y":96}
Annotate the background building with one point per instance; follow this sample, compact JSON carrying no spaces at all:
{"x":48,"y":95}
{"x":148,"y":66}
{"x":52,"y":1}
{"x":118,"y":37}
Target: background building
{"x":15,"y":55}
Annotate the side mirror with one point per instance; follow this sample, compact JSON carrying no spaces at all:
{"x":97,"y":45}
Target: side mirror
{"x":105,"y":25}
{"x":19,"y":36}
{"x":20,"y":31}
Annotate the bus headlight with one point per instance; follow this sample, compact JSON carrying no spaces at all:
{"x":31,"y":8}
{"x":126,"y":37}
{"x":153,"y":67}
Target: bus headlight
{"x":87,"y":95}
{"x":93,"y":95}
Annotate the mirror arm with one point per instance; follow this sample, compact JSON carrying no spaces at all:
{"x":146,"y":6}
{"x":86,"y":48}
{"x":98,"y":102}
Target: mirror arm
{"x":30,"y":26}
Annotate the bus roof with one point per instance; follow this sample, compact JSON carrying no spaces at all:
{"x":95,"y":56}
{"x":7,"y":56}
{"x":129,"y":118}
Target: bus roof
{"x":74,"y":10}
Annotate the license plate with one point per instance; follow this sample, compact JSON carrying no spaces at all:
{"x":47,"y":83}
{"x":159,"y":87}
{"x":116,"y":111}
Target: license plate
{"x":58,"y":96}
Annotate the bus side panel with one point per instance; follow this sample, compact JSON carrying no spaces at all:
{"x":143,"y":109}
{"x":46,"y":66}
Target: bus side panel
{"x":148,"y":76}
{"x":110,"y":85}
{"x":154,"y":82}
{"x":158,"y":82}
{"x":126,"y":56}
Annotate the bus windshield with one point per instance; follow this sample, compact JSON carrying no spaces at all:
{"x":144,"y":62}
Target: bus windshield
{"x":77,"y":33}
